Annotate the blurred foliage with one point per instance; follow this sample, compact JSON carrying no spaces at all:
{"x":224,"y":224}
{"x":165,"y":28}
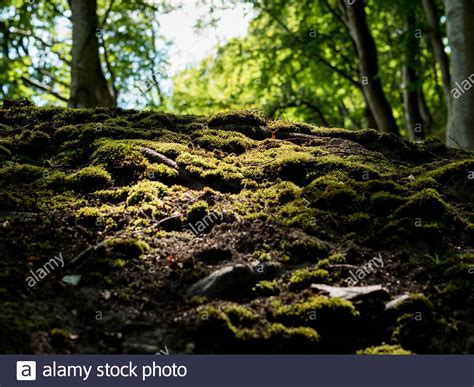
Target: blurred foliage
{"x":36,"y":39}
{"x":298,"y":62}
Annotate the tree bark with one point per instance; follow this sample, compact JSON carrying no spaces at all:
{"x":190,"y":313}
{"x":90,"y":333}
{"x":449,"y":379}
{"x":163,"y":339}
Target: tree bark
{"x":425,"y":112}
{"x":436,"y":39}
{"x":89,"y":87}
{"x":355,"y":18}
{"x":413,"y":120}
{"x":460,"y":19}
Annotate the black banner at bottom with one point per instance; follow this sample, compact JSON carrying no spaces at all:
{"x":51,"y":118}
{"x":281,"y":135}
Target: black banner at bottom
{"x":231,"y":370}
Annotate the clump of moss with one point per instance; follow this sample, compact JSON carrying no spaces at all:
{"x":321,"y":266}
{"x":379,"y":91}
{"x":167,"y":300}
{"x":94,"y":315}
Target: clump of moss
{"x":384,"y":350}
{"x":424,"y":182}
{"x":218,"y":332}
{"x":123,"y":161}
{"x":113,"y":196}
{"x":426,"y":204}
{"x":5,"y":154}
{"x":305,"y":249}
{"x":329,"y":193}
{"x":374,"y":186}
{"x":384,"y":203}
{"x":355,"y":169}
{"x":33,"y":141}
{"x":360,"y":221}
{"x":240,"y":315}
{"x":414,"y":332}
{"x":413,"y":231}
{"x":415,"y":303}
{"x":293,"y":166}
{"x":243,"y":118}
{"x":13,"y":173}
{"x":224,"y":179}
{"x":146,"y":191}
{"x":90,"y":217}
{"x":302,"y":278}
{"x":336,"y":320}
{"x":229,"y":142}
{"x":197,"y":211}
{"x":17,"y":324}
{"x":315,"y":310}
{"x":90,"y":179}
{"x":162,"y":173}
{"x":284,"y":339}
{"x":126,"y":248}
{"x":452,"y":172}
{"x":266,"y":288}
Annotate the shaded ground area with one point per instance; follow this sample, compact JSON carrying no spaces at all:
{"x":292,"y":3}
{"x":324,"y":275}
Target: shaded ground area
{"x":139,"y":232}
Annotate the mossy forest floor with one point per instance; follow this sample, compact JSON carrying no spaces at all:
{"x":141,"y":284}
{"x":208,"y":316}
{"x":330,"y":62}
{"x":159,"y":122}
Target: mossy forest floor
{"x":188,"y":234}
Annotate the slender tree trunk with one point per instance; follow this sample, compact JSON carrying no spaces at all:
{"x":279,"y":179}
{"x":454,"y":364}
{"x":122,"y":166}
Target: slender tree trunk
{"x":355,"y":19}
{"x":413,"y":119}
{"x":425,"y":112}
{"x":89,"y":87}
{"x":460,"y":19}
{"x":436,"y":39}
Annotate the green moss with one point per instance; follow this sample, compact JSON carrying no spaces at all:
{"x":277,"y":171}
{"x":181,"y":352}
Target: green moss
{"x":123,"y":161}
{"x":384,"y":203}
{"x":33,"y":142}
{"x":415,"y":303}
{"x":426,"y":204}
{"x":162,"y":173}
{"x":329,"y":193}
{"x":238,"y":118}
{"x":303,"y":250}
{"x":90,"y":179}
{"x":240,"y":315}
{"x":146,"y":191}
{"x":414,"y":332}
{"x":413,"y":231}
{"x":18,"y":322}
{"x":424,"y":182}
{"x":224,"y":179}
{"x":5,"y":154}
{"x":302,"y":278}
{"x":17,"y":201}
{"x":323,"y":307}
{"x":292,"y":339}
{"x":360,"y":221}
{"x":126,"y":248}
{"x":390,"y":186}
{"x":351,"y":165}
{"x":217,"y":333}
{"x":114,"y":196}
{"x":293,"y":166}
{"x":267,"y":288}
{"x":452,"y":172}
{"x":229,"y":142}
{"x":292,"y":127}
{"x":384,"y":350}
{"x":90,"y":217}
{"x":13,"y":173}
{"x":197,"y":211}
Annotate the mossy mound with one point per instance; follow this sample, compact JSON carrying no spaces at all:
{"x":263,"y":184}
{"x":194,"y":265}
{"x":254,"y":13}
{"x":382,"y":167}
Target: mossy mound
{"x":144,"y":205}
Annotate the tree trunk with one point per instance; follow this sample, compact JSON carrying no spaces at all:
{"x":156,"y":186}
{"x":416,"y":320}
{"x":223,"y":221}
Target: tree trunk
{"x":413,"y":119}
{"x":89,"y":87}
{"x":355,"y":19}
{"x":425,"y":112}
{"x":436,"y":39}
{"x":460,"y":19}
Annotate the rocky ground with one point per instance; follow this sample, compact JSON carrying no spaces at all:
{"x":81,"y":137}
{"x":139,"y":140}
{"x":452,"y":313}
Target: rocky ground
{"x":144,"y":232}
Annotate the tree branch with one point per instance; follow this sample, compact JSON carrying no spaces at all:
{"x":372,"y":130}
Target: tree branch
{"x":43,"y":87}
{"x":28,"y":34}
